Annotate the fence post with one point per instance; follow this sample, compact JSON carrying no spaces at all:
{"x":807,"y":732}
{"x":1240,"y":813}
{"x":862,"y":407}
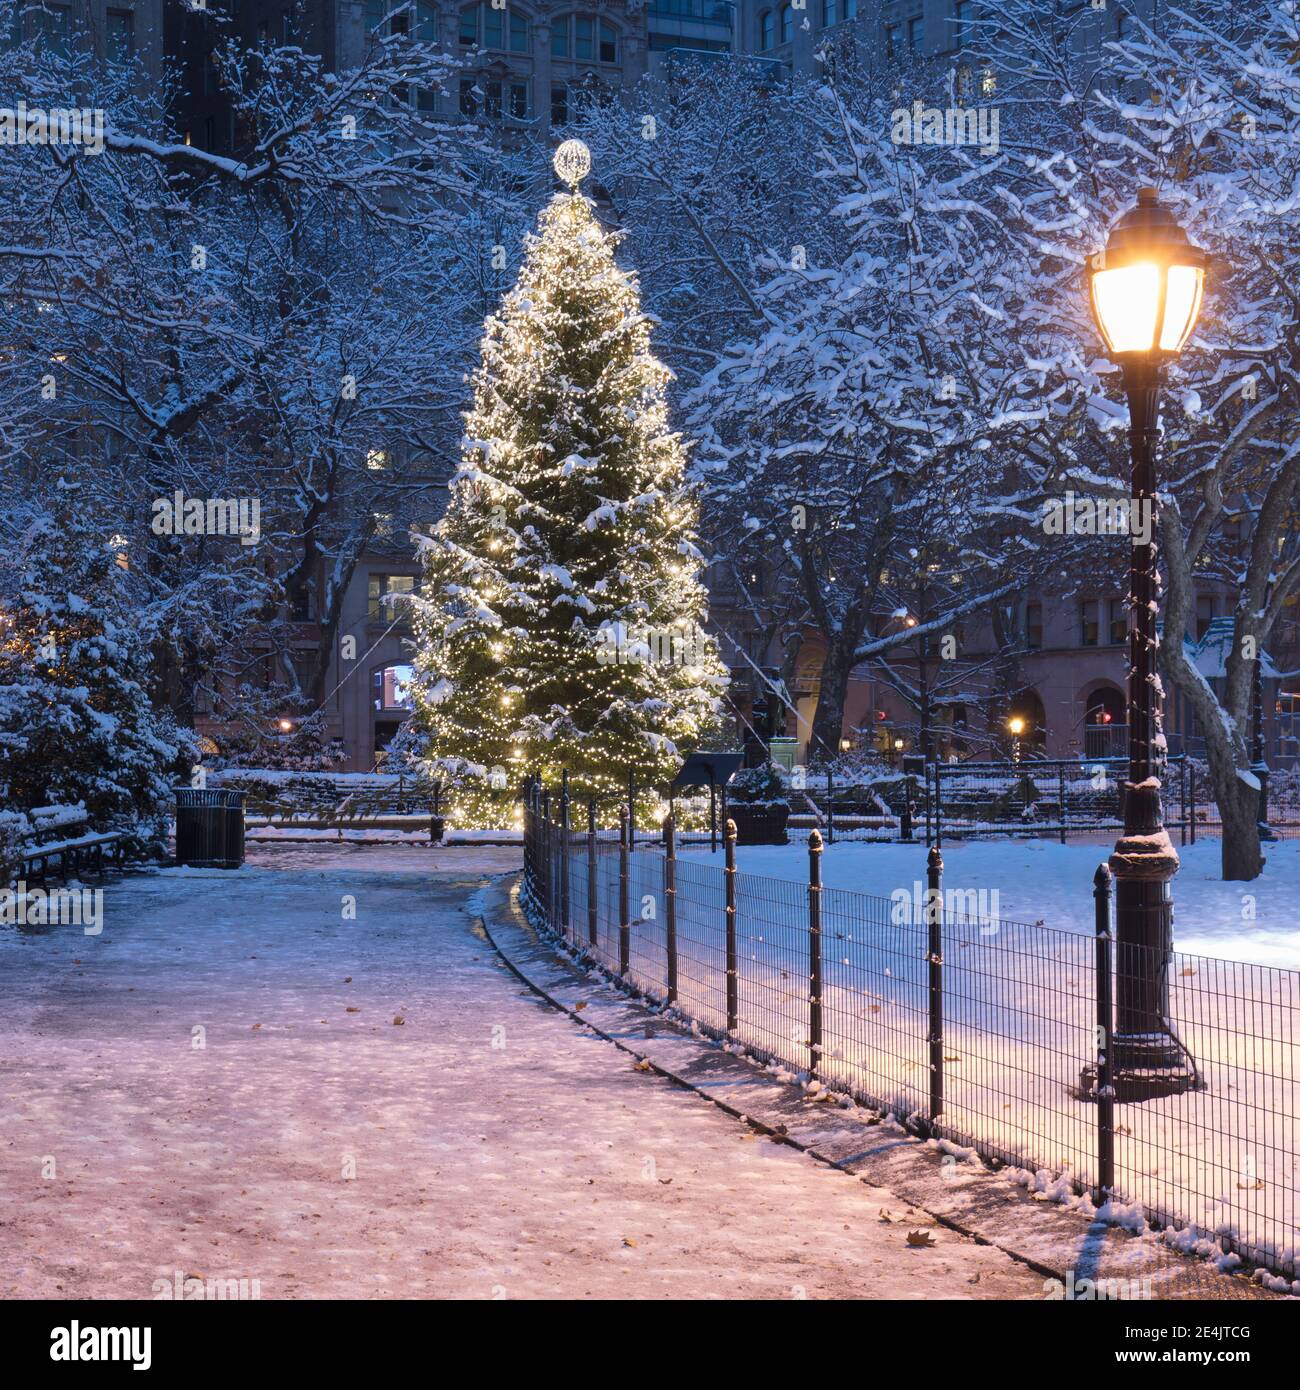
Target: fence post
{"x":631,"y":805}
{"x":1060,"y":775}
{"x":830,"y":803}
{"x":1191,"y":802}
{"x":592,"y":935}
{"x":938,"y":805}
{"x":729,"y":881}
{"x":548,"y":904}
{"x":624,"y":925}
{"x":934,"y":955}
{"x":565,"y":840}
{"x":814,"y":951}
{"x":670,"y":903}
{"x":1105,"y":1024}
{"x":1182,"y":801}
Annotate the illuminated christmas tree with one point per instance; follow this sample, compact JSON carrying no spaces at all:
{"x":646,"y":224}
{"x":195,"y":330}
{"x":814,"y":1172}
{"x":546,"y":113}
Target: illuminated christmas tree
{"x":561,"y":620}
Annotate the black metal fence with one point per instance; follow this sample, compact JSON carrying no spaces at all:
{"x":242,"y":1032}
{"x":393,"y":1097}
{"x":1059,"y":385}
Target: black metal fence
{"x":987,"y":1033}
{"x":1060,"y":798}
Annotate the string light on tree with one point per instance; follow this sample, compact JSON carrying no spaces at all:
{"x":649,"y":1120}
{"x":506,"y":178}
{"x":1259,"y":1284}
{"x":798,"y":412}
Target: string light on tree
{"x":570,"y":521}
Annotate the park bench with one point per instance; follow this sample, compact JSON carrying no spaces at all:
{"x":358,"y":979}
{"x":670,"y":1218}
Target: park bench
{"x":50,"y":850}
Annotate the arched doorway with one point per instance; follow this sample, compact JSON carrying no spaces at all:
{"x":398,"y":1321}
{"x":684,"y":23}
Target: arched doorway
{"x":391,"y":702}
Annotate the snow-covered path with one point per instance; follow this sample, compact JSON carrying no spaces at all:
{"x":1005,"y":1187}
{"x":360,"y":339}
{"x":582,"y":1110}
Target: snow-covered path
{"x":498,"y":1151}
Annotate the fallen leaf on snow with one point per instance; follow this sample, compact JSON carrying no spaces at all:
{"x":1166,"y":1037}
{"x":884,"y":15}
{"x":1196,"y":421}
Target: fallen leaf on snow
{"x":920,"y":1238}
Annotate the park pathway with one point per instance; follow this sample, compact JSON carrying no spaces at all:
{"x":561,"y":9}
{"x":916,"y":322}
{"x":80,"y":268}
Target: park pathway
{"x":315,"y":1074}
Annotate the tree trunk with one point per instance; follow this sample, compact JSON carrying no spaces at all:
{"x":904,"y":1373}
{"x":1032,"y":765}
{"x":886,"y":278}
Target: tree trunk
{"x":1238,"y":805}
{"x":828,"y":722}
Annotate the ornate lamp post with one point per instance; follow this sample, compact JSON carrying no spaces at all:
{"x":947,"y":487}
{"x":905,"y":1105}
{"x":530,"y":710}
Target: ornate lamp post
{"x":1146,"y":293}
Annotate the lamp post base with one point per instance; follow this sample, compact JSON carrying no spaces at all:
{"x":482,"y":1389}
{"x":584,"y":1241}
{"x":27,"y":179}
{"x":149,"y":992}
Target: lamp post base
{"x":1147,"y":1057}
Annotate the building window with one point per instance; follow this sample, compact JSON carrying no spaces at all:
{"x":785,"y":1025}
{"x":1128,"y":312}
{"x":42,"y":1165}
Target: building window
{"x":469,"y":28}
{"x":518,"y":33}
{"x":850,"y":9}
{"x":767,"y":30}
{"x":519,"y":101}
{"x":393,"y":688}
{"x":963,"y":12}
{"x":53,"y":25}
{"x":915,"y":33}
{"x":830,"y":13}
{"x":494,"y":28}
{"x":1204,"y":614}
{"x":1034,"y":626}
{"x":1118,"y":622}
{"x":787,"y":23}
{"x":378,"y":587}
{"x":468,"y":96}
{"x":1088,"y":634}
{"x":559,"y":104}
{"x":492,"y":100}
{"x":892,"y":36}
{"x":584,"y":38}
{"x":121,"y":35}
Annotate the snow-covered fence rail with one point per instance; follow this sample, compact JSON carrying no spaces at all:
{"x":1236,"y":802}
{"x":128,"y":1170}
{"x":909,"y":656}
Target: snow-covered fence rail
{"x":970,"y":1029}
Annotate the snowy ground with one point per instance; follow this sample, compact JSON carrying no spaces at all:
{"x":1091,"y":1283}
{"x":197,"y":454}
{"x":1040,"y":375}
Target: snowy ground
{"x":1040,"y":880}
{"x":498,"y":1151}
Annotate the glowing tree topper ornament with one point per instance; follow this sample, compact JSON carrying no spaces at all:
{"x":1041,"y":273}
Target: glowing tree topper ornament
{"x":572,"y":162}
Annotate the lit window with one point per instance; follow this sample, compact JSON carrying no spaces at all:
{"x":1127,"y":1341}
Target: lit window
{"x":377,"y":460}
{"x":380,"y":607}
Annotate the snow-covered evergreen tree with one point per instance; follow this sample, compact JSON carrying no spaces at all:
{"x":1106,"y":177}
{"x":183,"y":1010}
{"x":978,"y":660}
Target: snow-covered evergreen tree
{"x":561,"y":622}
{"x":76,"y":724}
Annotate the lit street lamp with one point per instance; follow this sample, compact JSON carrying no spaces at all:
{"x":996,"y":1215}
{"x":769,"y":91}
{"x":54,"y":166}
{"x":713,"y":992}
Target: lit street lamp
{"x":1016,"y":725}
{"x":1146,"y":293}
